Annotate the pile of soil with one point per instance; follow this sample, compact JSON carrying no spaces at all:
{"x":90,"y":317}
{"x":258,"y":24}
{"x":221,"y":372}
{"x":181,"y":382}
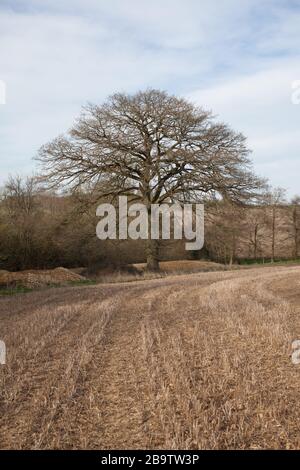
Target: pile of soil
{"x":38,"y":278}
{"x":184,"y":266}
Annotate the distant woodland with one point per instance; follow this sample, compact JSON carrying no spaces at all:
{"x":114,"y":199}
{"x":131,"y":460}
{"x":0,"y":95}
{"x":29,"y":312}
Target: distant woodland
{"x":41,"y":229}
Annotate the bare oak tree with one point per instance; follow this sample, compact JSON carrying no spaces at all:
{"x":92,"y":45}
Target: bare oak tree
{"x":153,"y":147}
{"x":21,"y":213}
{"x":254,"y":233}
{"x":275,"y":198}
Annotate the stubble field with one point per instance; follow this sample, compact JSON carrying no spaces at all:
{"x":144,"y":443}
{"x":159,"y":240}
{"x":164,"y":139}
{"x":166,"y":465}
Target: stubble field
{"x":199,"y":361}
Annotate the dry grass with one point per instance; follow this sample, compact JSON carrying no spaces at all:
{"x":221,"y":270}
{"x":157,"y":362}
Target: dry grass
{"x":138,"y":272}
{"x":120,"y":277}
{"x":184,"y":266}
{"x":199,"y":361}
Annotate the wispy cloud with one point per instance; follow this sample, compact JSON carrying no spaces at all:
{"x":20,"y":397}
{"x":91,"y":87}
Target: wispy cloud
{"x":237,"y":58}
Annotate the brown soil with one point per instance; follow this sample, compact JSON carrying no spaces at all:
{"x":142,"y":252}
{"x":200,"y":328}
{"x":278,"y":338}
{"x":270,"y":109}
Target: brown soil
{"x":38,"y":278}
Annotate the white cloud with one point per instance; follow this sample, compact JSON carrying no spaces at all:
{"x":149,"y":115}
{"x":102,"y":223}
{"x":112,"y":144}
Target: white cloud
{"x":237,"y":58}
{"x":260,"y":106}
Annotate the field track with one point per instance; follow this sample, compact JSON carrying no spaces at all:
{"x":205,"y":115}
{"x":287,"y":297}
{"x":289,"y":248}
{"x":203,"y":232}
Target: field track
{"x":193,"y":361}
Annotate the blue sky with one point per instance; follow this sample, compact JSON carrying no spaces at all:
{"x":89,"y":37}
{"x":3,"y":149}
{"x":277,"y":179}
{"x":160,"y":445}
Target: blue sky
{"x":237,"y":58}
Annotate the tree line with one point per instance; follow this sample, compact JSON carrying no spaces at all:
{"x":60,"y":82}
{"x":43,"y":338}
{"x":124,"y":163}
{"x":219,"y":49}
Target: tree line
{"x":43,"y":229}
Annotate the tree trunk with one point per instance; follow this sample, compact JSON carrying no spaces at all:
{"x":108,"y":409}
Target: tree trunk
{"x":296,"y":233}
{"x":152,"y":250}
{"x":273,"y":233}
{"x":231,"y":260}
{"x":152,"y":255}
{"x":255,"y":242}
